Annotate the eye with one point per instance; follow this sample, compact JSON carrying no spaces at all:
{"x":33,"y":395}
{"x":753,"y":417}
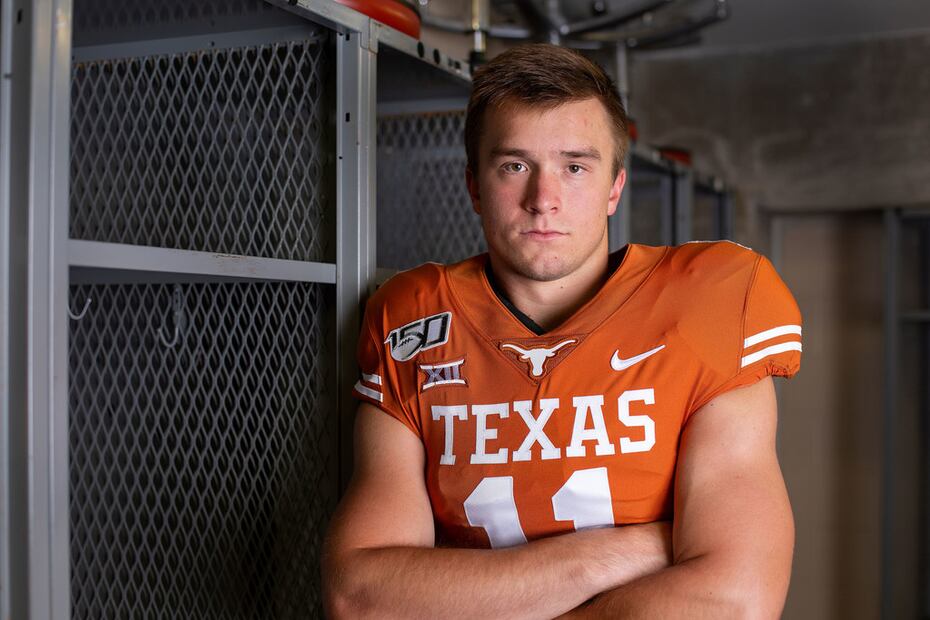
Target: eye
{"x":514,"y":166}
{"x":575,"y":169}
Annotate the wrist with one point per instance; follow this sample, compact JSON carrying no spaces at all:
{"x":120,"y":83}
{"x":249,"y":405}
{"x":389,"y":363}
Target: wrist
{"x":635,"y":551}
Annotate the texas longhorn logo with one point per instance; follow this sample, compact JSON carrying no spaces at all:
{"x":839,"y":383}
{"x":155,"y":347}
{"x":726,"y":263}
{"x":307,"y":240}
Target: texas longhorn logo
{"x":537,"y":356}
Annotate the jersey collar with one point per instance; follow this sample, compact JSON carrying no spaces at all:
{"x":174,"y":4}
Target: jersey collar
{"x":492,"y":315}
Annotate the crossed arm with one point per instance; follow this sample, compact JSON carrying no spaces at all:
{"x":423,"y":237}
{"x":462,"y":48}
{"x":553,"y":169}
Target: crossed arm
{"x":733,"y":531}
{"x":733,"y":537}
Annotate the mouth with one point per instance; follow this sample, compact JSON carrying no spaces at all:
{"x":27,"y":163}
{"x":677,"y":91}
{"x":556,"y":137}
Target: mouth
{"x":543,"y":234}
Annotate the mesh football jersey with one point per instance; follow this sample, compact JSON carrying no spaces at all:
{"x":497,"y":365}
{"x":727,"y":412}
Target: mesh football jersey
{"x":528,"y":436}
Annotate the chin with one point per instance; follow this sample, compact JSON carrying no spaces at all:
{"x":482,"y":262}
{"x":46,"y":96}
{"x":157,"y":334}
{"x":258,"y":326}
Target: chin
{"x":543,"y":269}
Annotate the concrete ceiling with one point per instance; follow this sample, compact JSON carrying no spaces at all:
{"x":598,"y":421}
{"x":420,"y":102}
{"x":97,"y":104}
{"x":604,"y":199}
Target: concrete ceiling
{"x":754,"y":23}
{"x":773,"y":23}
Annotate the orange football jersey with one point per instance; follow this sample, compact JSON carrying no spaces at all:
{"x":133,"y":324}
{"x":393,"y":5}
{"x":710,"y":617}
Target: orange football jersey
{"x":528,"y":436}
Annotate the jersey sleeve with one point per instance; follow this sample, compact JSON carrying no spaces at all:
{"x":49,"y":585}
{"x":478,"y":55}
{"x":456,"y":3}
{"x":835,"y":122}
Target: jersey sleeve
{"x":378,"y":382}
{"x":768,"y":342}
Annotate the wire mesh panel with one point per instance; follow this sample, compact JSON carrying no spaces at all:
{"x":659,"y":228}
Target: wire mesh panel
{"x":424,"y":211}
{"x":227,"y":150}
{"x":202,"y":474}
{"x":99,"y":22}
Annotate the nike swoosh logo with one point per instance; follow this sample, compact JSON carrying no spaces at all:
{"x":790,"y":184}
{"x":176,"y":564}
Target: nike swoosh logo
{"x":618,"y":363}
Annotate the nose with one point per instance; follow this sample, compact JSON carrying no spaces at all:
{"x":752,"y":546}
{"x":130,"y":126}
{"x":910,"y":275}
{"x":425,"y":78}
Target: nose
{"x":543,"y":192}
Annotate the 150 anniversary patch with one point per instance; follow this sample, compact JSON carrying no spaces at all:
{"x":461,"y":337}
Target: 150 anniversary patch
{"x":405,"y":342}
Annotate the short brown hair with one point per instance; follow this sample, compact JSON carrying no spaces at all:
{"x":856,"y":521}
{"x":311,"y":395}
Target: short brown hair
{"x":545,"y":76}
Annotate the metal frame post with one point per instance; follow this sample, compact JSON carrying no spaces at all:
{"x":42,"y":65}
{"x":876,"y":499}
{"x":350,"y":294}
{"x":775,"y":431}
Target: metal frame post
{"x":891,"y":327}
{"x":622,"y":64}
{"x":725,"y":216}
{"x":667,"y":214}
{"x":356,"y":106}
{"x":683,"y":205}
{"x":7,"y":372}
{"x":34,"y":286}
{"x":924,"y":422}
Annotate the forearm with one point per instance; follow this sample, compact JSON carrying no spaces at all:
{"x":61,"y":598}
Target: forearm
{"x":542,"y":579}
{"x":694,"y":589}
{"x":745,"y":577}
{"x":734,"y":534}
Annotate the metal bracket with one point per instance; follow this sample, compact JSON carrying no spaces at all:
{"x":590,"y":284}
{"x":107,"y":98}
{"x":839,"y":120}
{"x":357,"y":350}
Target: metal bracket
{"x":371,"y":35}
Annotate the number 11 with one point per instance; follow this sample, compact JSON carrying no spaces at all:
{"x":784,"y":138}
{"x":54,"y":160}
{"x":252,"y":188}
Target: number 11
{"x":584,"y":499}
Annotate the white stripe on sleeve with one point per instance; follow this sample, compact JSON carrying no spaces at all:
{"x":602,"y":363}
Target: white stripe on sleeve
{"x":768,"y":334}
{"x":376,"y":379}
{"x":370,"y":393}
{"x":772,"y":350}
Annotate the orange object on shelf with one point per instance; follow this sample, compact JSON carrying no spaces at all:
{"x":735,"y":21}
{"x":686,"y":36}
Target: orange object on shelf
{"x":394,"y":13}
{"x":675,"y":153}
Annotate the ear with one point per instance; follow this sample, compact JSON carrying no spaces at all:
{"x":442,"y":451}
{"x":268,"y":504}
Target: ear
{"x":616,"y":190}
{"x":471,"y":182}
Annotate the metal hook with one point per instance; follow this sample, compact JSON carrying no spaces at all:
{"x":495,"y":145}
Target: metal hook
{"x":78,"y":317}
{"x":177,"y":304}
{"x":174,"y":340}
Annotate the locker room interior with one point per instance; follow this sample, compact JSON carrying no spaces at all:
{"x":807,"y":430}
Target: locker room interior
{"x":195,"y":197}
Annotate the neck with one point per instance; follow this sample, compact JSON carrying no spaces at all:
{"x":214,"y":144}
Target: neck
{"x":550,"y":303}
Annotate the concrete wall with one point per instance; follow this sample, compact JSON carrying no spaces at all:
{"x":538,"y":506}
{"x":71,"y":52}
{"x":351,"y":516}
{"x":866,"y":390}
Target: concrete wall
{"x":830,"y":431}
{"x":845,"y":124}
{"x":841,"y":127}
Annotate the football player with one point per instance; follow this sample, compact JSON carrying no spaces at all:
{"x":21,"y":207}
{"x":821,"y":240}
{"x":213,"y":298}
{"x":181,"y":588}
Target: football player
{"x":551,"y":430}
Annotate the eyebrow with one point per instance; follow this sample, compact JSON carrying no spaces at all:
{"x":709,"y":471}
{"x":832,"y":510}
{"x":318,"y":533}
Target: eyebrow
{"x":584,"y":153}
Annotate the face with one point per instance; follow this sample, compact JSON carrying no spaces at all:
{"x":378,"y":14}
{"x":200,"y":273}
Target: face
{"x":545,"y":187}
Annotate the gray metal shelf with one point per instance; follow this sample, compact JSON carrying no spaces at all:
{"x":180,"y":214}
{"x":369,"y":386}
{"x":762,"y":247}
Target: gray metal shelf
{"x":661,"y":202}
{"x":174,"y":195}
{"x":346,"y":21}
{"x":643,"y":154}
{"x":222,"y":149}
{"x":96,"y":259}
{"x":916,"y":316}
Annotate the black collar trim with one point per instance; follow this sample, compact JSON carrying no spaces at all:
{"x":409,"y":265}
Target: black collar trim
{"x":613,"y":262}
{"x":502,"y":296}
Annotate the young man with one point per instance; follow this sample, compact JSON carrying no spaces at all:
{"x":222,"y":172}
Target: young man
{"x":533,"y":418}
